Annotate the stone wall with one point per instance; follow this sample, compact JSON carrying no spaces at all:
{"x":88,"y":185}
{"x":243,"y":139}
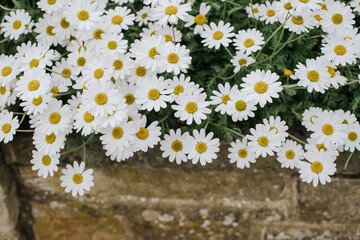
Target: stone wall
{"x":147,"y":197}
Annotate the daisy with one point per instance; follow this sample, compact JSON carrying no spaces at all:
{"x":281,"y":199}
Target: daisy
{"x":253,"y":10}
{"x":279,"y":126}
{"x":100,"y":68}
{"x":261,"y":86}
{"x":36,"y":105}
{"x":80,"y":59}
{"x":128,"y":91}
{"x":320,"y":167}
{"x":340,"y":50}
{"x":241,"y":60}
{"x":215,"y":36}
{"x":179,"y":85}
{"x":122,"y":65}
{"x":44,"y":28}
{"x":353,"y":140}
{"x":313,"y":75}
{"x":143,"y":16}
{"x":202,"y":147}
{"x":9,"y":69}
{"x":50,"y":6}
{"x":49,"y":144}
{"x":338,"y":18}
{"x":139,"y":74}
{"x":240,"y":107}
{"x":119,"y":115}
{"x":249,"y":41}
{"x":46,"y":164}
{"x":191,"y":107}
{"x":8,"y":126}
{"x":85,"y":122}
{"x":101,"y":98}
{"x":33,"y":84}
{"x":283,"y":8}
{"x":313,"y":146}
{"x":290,"y":154}
{"x":329,"y":129}
{"x":119,"y":18}
{"x":147,"y":137}
{"x":76,"y":180}
{"x":355,"y":4}
{"x":152,"y":94}
{"x":349,"y":118}
{"x":16,"y":23}
{"x":173,"y":58}
{"x":267,"y":13}
{"x":170,"y":11}
{"x":305,"y":5}
{"x":170,"y":34}
{"x":308,"y":117}
{"x":82,"y":13}
{"x":200,"y":19}
{"x":221,"y":97}
{"x":300,"y":22}
{"x":262,"y":141}
{"x":173,"y":146}
{"x":152,"y":29}
{"x":112,"y":44}
{"x":36,"y":56}
{"x":240,"y":153}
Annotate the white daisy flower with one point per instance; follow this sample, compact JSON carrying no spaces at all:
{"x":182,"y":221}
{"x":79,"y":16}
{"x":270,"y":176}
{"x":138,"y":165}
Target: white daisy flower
{"x":240,"y":107}
{"x":320,"y":167}
{"x":9,"y":69}
{"x":284,"y":8}
{"x":99,"y":69}
{"x":355,"y":4}
{"x":170,"y":34}
{"x":279,"y":126}
{"x":82,"y":13}
{"x":249,"y":41}
{"x":338,"y":18}
{"x":308,"y":117}
{"x":50,"y":6}
{"x":253,"y":10}
{"x":45,"y":164}
{"x":62,"y":28}
{"x":170,"y":11}
{"x":49,"y":144}
{"x":126,"y":153}
{"x":202,"y":147}
{"x":44,"y":28}
{"x":143,"y":16}
{"x":173,"y":146}
{"x":217,"y":35}
{"x":76,"y":180}
{"x":85,"y":122}
{"x":147,"y":137}
{"x":36,"y":56}
{"x":353,"y":140}
{"x":304,"y":5}
{"x":152,"y":29}
{"x":8,"y":126}
{"x":119,"y":115}
{"x":349,"y":118}
{"x":300,"y":22}
{"x":191,"y":107}
{"x":267,"y":12}
{"x":200,"y":19}
{"x":119,"y":18}
{"x":112,"y":44}
{"x":179,"y":85}
{"x":261,"y":86}
{"x":80,"y":59}
{"x":122,"y":65}
{"x":128,"y":91}
{"x":241,"y":60}
{"x":16,"y":23}
{"x":240,"y":153}
{"x":340,"y":50}
{"x":221,"y":98}
{"x":290,"y":154}
{"x":139,"y":74}
{"x":36,"y":106}
{"x":173,"y":58}
{"x":262,"y":141}
{"x":313,"y":146}
{"x":33,"y":84}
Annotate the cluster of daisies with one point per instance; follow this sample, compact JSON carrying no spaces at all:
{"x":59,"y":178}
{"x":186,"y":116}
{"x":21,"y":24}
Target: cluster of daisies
{"x":111,"y":81}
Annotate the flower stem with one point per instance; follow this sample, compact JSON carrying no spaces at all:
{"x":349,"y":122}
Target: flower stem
{"x":7,"y":9}
{"x":296,"y":139}
{"x":229,"y":52}
{"x":228,"y":129}
{"x":347,"y":161}
{"x":79,"y":147}
{"x":22,"y":130}
{"x":224,"y":9}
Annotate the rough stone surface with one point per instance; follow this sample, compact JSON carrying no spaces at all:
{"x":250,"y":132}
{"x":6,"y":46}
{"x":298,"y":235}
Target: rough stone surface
{"x":147,"y":197}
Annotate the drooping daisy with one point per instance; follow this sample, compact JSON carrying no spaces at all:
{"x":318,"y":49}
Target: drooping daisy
{"x":240,"y":153}
{"x":33,"y":84}
{"x":148,"y":136}
{"x":313,"y":146}
{"x":49,"y":144}
{"x":76,"y":180}
{"x":191,"y":107}
{"x":119,"y":18}
{"x":308,"y":117}
{"x":240,"y":107}
{"x":143,"y":16}
{"x":170,"y":34}
{"x":85,"y":122}
{"x":267,"y":12}
{"x":353,"y":137}
{"x":241,"y":60}
{"x":173,"y":58}
{"x":45,"y":164}
{"x":170,"y":11}
{"x":173,"y":146}
{"x":290,"y":153}
{"x":217,"y":35}
{"x":202,"y":147}
{"x":262,"y":141}
{"x":44,"y":28}
{"x":16,"y":23}
{"x":249,"y":41}
{"x":8,"y":126}
{"x":179,"y":85}
{"x":261,"y":86}
{"x":279,"y":126}
{"x":82,"y":13}
{"x":318,"y":167}
{"x":200,"y":19}
{"x":338,"y":18}
{"x":222,"y":97}
{"x":152,"y":94}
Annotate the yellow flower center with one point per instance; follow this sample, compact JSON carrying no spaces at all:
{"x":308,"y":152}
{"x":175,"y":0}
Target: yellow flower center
{"x":340,"y":50}
{"x":337,"y":18}
{"x":34,"y":63}
{"x":77,"y":178}
{"x":117,"y":133}
{"x":66,"y":73}
{"x":168,"y":38}
{"x":153,"y":52}
{"x":240,"y":105}
{"x":263,"y":141}
{"x":270,"y":13}
{"x":331,"y":71}
{"x":46,"y":160}
{"x":173,"y":58}
{"x":316,"y":167}
{"x":287,"y":6}
{"x":101,"y":98}
{"x":313,"y":76}
{"x":260,"y":87}
{"x":50,"y":138}
{"x":311,"y":118}
{"x":170,"y":10}
{"x":303,"y":1}
{"x":201,"y":147}
{"x":317,"y":17}
{"x":272,"y":127}
{"x":130,"y":99}
{"x":290,"y":154}
{"x":297,"y":20}
{"x":328,"y":129}
{"x":37,"y":101}
{"x":178,"y":89}
{"x":144,"y":15}
{"x":2,"y":90}
{"x":242,"y":61}
{"x":143,"y":133}
{"x":88,"y":117}
{"x":98,"y":73}
{"x":200,"y":19}
{"x":321,"y":146}
{"x":154,"y":94}
{"x":118,"y":64}
{"x":64,"y":24}
{"x":287,"y":72}
{"x":248,"y":42}
{"x":51,"y":2}
{"x":54,"y":90}
{"x":33,"y":85}
{"x":177,"y":146}
{"x":242,"y":153}
{"x":49,"y":30}
{"x":218,"y":35}
{"x":6,"y":128}
{"x":352,"y":136}
{"x":117,"y":19}
{"x":345,"y":122}
{"x":54,"y":118}
{"x":112,"y":45}
{"x":97,"y":33}
{"x":191,"y":107}
{"x":17,"y":24}
{"x":140,"y":71}
{"x":81,"y":61}
{"x":225,"y":99}
{"x":83,"y":15}
{"x":323,"y":6}
{"x":6,"y":71}
{"x":255,"y":10}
